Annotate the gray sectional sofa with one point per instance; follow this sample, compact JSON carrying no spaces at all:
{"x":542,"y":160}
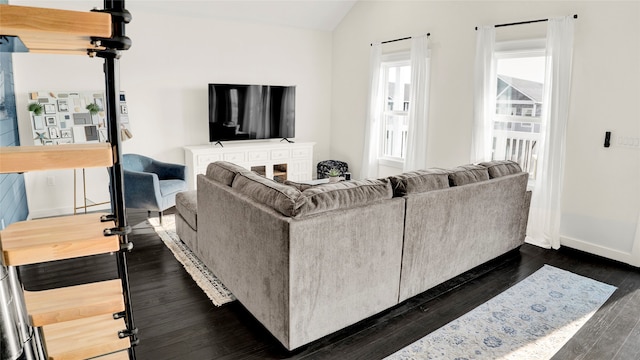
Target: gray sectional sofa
{"x":307,"y":261}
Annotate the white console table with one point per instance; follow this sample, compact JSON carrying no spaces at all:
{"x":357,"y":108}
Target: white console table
{"x":281,"y":160}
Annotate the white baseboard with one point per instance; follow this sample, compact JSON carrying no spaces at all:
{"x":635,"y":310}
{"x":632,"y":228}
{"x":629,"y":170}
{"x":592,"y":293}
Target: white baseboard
{"x":598,"y":250}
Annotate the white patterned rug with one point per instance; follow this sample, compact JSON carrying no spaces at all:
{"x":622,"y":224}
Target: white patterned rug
{"x":205,"y":279}
{"x":531,"y":320}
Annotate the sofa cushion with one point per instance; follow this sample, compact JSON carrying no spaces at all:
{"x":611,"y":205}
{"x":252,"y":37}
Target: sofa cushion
{"x":224,"y":172}
{"x":187,"y":207}
{"x":299,"y":186}
{"x":280,"y":197}
{"x":467,"y":174}
{"x":498,"y":168}
{"x":342,"y":195}
{"x":419,"y":181}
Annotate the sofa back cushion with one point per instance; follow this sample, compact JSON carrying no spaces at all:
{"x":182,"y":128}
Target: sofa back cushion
{"x":224,"y":172}
{"x":290,"y":201}
{"x":342,"y":195}
{"x":498,"y":168}
{"x":280,"y":197}
{"x":299,"y":186}
{"x":419,"y":181}
{"x":467,"y":174}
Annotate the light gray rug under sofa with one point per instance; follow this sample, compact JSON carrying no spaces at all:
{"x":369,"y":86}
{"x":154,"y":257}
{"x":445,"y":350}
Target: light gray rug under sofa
{"x":307,"y":261}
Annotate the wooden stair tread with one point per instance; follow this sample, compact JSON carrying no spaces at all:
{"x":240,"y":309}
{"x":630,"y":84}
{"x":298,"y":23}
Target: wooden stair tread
{"x":84,"y":338}
{"x":120,"y":355}
{"x":49,"y":239}
{"x":70,"y":156}
{"x":47,"y":307}
{"x":53,"y":30}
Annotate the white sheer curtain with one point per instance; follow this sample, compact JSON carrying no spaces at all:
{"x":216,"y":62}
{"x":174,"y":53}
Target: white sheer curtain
{"x":485,"y":88}
{"x":372,"y":122}
{"x":544,"y":217}
{"x":416,"y":157}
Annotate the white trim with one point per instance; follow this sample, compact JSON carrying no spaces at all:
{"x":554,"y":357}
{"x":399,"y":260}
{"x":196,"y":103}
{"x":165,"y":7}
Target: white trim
{"x":386,"y":161}
{"x":598,"y":250}
{"x":395,"y":57}
{"x":520,"y":48}
{"x":635,"y":252}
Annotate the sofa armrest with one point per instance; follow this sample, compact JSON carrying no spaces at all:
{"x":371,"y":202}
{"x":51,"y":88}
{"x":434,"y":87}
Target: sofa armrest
{"x":142,"y":190}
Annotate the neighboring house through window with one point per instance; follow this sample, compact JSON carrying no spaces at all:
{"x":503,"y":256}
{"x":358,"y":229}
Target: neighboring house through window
{"x":520,"y":69}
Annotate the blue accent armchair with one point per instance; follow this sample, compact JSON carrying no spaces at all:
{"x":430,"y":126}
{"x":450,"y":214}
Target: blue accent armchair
{"x":150,"y":184}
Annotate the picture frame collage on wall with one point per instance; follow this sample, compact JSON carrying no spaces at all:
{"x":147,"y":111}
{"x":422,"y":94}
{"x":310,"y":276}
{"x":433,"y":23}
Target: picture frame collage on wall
{"x":68,"y":118}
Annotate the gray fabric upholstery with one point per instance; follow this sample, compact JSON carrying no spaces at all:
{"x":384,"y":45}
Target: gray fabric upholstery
{"x":419,"y":181}
{"x":467,"y":174}
{"x":186,"y":217}
{"x":186,"y":233}
{"x":498,"y":168}
{"x":304,"y":277}
{"x":278,"y":196}
{"x":307,"y":262}
{"x":187,"y":206}
{"x":341,"y":195}
{"x":450,"y":231}
{"x":290,"y":201}
{"x":224,"y":172}
{"x":299,"y":186}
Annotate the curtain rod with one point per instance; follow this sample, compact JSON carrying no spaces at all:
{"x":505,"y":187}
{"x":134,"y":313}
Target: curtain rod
{"x":575,"y":16}
{"x":400,"y":39}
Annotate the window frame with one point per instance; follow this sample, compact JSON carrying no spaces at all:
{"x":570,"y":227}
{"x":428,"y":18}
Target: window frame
{"x":389,"y":60}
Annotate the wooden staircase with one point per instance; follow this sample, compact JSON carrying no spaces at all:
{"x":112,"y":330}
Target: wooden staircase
{"x":77,"y":322}
{"x":93,"y":320}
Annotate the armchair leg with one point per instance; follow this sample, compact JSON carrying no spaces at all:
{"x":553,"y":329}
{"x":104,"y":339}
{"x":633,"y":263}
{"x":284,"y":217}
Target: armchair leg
{"x":148,"y":213}
{"x":160,"y":217}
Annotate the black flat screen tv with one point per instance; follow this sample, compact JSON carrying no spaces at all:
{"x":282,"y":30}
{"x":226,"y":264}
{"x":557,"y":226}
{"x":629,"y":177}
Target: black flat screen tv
{"x":249,"y":112}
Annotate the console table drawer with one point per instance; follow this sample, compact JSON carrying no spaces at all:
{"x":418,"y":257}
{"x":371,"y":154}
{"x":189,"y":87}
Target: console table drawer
{"x":208,"y":159}
{"x":258,"y":155}
{"x":301,"y":153}
{"x":278,"y":154}
{"x":234,"y":157}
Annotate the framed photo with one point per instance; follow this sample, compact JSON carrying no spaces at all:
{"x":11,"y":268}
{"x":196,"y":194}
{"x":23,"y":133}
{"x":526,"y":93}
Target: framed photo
{"x":63,"y":106}
{"x":66,"y":133}
{"x":53,"y":133}
{"x":38,"y":123}
{"x":49,"y":109}
{"x":50,"y":120}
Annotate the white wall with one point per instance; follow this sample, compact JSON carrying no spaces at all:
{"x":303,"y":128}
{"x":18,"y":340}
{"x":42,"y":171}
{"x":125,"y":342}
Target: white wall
{"x":165,"y":75}
{"x":601,"y":201}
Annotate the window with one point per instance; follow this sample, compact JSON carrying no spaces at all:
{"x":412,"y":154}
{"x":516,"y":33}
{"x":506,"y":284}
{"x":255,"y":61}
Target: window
{"x":397,"y":79}
{"x":519,"y":102}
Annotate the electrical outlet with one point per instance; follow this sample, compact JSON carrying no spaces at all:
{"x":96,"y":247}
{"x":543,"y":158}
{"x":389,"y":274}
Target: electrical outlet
{"x":51,"y":181}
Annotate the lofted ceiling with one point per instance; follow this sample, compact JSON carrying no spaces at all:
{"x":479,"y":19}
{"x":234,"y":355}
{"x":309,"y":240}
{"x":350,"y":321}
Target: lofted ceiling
{"x":322,"y":15}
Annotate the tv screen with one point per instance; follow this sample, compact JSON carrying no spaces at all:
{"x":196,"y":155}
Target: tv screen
{"x":244,"y":112}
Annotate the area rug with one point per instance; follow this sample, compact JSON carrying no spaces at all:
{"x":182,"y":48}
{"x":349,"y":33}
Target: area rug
{"x":205,"y":279}
{"x":531,"y":320}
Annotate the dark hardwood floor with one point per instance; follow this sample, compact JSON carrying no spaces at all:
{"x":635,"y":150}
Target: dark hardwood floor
{"x":177,"y":321}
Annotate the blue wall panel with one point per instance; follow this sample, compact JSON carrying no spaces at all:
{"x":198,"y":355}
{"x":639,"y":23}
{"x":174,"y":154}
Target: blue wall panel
{"x":13,"y":196}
